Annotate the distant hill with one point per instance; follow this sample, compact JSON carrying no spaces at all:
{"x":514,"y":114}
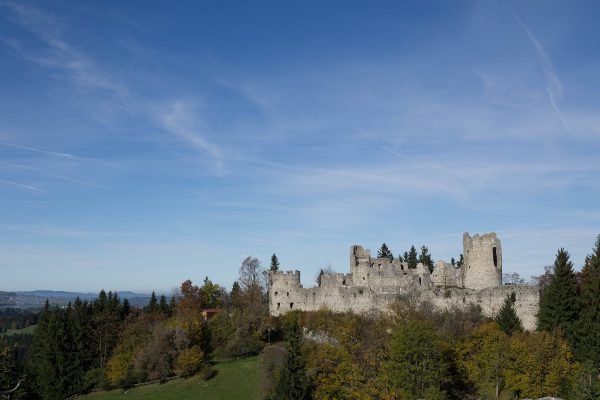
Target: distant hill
{"x":73,"y":295}
{"x":36,"y":298}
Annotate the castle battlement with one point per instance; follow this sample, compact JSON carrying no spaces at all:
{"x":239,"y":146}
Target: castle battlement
{"x":375,"y":283}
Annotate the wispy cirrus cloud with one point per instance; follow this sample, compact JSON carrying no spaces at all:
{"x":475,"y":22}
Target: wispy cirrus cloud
{"x":60,"y":55}
{"x":182,"y":123}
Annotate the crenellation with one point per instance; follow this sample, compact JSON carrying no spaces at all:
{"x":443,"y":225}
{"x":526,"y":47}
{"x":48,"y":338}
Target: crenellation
{"x":376,"y":283}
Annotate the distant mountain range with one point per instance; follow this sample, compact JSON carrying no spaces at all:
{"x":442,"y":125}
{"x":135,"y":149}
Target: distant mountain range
{"x":73,"y":295}
{"x":37,"y":298}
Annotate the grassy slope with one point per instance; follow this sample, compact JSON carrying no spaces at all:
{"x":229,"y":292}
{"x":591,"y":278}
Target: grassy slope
{"x":235,"y":380}
{"x":29,"y":329}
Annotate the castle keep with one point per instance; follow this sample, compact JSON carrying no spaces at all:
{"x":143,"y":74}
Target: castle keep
{"x":376,"y":283}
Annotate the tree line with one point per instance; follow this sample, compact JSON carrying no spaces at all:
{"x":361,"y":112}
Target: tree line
{"x":107,"y":343}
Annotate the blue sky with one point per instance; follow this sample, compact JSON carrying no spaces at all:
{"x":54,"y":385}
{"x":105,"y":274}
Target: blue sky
{"x":145,"y":143}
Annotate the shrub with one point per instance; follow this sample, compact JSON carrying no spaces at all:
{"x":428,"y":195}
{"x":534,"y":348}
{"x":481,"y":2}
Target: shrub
{"x":189,"y":361}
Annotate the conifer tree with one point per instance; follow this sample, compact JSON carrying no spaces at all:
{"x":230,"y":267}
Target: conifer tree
{"x":291,"y":381}
{"x":411,"y":257}
{"x":172,"y":305}
{"x":453,"y":261}
{"x":162,"y":305}
{"x":559,"y":305}
{"x":274,"y":263}
{"x":385,"y":252}
{"x":461,"y":261}
{"x":588,"y":328}
{"x":152,"y":306}
{"x":425,"y":258}
{"x":125,"y":308}
{"x":507,"y":316}
{"x":8,"y":377}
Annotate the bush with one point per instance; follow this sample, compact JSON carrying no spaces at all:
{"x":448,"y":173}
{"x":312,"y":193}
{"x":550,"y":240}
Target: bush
{"x":189,"y":361}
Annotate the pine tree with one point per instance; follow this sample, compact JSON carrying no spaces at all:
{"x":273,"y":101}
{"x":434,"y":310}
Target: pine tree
{"x":507,"y":316}
{"x":588,"y":329}
{"x":125,"y":308}
{"x":8,"y":377}
{"x":274,"y":263}
{"x":172,"y":305}
{"x":411,"y":257}
{"x":559,"y":305}
{"x":152,"y":306}
{"x":425,"y":258}
{"x":292,"y":382}
{"x":385,"y":252}
{"x":162,"y":305}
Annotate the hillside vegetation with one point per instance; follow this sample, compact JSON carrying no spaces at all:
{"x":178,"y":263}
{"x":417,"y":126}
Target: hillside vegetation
{"x":235,"y":380}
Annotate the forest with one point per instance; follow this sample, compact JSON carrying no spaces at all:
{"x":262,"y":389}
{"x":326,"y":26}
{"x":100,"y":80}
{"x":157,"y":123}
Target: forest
{"x":412,"y":352}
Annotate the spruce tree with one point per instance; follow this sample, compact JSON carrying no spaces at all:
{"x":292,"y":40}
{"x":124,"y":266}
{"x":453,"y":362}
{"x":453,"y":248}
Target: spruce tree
{"x":507,"y":316}
{"x":152,"y":306}
{"x":588,"y":328}
{"x":274,"y":263}
{"x":425,"y":258}
{"x":291,"y":381}
{"x":411,"y":257}
{"x":385,"y":252}
{"x":162,"y":305}
{"x":125,"y":308}
{"x":559,"y":304}
{"x":8,"y":376}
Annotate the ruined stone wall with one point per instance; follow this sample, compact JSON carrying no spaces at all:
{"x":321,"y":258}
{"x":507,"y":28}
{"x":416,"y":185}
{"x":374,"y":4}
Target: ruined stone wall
{"x":446,"y":274}
{"x":375,"y":283}
{"x":490,"y":300}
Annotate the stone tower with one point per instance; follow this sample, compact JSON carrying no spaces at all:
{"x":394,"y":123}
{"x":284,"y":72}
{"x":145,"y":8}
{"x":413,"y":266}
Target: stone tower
{"x":483,"y":261}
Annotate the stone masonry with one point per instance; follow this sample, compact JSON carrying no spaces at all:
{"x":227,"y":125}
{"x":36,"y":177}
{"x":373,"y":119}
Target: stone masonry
{"x":376,"y":283}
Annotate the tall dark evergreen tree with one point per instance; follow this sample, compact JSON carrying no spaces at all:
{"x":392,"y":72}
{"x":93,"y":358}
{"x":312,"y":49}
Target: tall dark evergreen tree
{"x":453,"y":261}
{"x":274,"y":263}
{"x":461,"y":261}
{"x":125,"y":308}
{"x":162,"y":304}
{"x":152,"y":306}
{"x":385,"y":252}
{"x":559,"y":304}
{"x":291,"y":381}
{"x":588,"y":328}
{"x":507,"y":316}
{"x":425,"y":258}
{"x":411,"y":257}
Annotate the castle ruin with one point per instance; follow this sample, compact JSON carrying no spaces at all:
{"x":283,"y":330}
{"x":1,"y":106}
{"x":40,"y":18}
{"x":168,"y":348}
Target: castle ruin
{"x":376,"y":283}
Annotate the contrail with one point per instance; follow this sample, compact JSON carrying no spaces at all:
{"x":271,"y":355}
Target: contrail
{"x":64,"y":178}
{"x":553,"y":83}
{"x":52,"y":153}
{"x":22,"y":186}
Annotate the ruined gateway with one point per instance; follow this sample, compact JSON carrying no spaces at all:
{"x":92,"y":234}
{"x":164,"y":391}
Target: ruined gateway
{"x":375,"y":283}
